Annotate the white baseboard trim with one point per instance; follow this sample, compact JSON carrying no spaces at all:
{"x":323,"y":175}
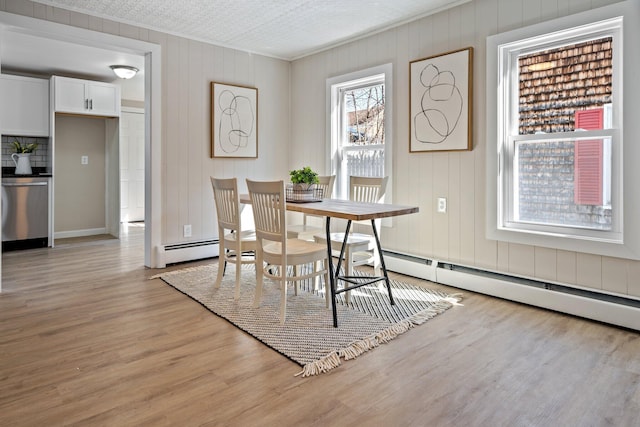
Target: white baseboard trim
{"x":590,"y":308}
{"x":79,"y":233}
{"x":552,"y":297}
{"x":191,"y":251}
{"x":411,"y":265}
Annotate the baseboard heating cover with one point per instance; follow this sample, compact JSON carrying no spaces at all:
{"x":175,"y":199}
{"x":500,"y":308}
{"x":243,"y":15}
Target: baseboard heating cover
{"x":590,"y":304}
{"x":190,"y":251}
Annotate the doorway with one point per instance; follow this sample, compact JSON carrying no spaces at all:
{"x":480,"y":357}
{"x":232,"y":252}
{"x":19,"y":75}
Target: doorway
{"x":151,"y":53}
{"x":131,"y":165}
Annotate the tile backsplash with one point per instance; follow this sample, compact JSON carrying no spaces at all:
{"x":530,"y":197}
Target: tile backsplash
{"x":39,"y":158}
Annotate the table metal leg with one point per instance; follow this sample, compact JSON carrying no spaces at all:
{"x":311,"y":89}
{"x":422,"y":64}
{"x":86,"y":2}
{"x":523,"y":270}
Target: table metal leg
{"x":384,"y":267}
{"x":332,"y":273}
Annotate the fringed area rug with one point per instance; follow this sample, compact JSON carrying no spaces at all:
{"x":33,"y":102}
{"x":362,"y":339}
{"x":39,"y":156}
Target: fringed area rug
{"x":308,"y":336}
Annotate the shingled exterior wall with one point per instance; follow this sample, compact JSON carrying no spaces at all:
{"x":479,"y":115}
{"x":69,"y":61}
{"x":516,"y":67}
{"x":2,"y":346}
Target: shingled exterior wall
{"x":576,"y":77}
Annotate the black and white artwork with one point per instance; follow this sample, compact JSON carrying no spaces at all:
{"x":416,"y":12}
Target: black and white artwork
{"x":234,"y":121}
{"x":440,"y":92}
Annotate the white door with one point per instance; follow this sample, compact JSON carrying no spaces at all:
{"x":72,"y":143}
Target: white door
{"x":132,"y":165}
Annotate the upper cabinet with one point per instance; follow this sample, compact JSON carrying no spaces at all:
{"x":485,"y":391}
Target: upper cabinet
{"x":24,"y":106}
{"x":77,"y":96}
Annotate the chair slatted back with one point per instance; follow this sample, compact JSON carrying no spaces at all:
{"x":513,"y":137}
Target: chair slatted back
{"x":326,"y":184}
{"x":269,"y":209}
{"x":225,"y":194}
{"x":367,"y":189}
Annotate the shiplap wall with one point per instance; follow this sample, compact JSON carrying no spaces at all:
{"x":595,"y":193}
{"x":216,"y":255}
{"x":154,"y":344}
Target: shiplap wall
{"x":420,"y":178}
{"x":188,"y":69}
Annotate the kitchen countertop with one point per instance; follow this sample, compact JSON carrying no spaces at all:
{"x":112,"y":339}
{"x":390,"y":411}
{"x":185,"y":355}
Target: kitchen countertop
{"x":38,"y":172}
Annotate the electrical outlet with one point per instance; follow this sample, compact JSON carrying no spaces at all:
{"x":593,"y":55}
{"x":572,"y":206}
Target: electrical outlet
{"x":84,"y":160}
{"x":442,"y":205}
{"x":187,"y":230}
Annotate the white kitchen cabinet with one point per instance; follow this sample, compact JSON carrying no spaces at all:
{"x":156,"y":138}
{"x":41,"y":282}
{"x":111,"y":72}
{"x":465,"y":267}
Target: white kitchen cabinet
{"x":88,"y":97}
{"x":24,"y":106}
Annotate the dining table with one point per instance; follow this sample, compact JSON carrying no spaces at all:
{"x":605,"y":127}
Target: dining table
{"x":350,"y":211}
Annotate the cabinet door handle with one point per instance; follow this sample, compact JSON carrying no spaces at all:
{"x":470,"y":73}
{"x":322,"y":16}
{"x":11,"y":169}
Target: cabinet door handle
{"x":86,"y":104}
{"x":91,"y":104}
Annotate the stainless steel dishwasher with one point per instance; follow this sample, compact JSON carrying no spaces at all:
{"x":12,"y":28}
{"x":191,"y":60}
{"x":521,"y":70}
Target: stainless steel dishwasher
{"x":25,"y":212}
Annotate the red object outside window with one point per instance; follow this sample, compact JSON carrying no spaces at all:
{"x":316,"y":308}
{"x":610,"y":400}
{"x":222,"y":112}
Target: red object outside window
{"x":589,"y":119}
{"x":588,"y":172}
{"x":588,"y":156}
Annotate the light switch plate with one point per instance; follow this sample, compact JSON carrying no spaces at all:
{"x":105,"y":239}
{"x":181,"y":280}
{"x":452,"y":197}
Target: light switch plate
{"x":84,"y":160}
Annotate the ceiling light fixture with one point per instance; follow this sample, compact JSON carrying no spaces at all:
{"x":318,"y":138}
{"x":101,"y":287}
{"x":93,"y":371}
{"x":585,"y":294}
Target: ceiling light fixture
{"x":124,"y":71}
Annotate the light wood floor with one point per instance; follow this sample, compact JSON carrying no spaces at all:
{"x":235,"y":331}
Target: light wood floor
{"x":86,"y":339}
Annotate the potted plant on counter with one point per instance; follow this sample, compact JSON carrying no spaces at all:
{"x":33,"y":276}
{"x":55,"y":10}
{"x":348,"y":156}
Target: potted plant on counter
{"x":24,"y":148}
{"x":21,"y":157}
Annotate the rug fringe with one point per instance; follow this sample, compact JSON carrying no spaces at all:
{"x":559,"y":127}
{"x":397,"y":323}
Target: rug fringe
{"x":356,"y":348}
{"x":320,"y":366}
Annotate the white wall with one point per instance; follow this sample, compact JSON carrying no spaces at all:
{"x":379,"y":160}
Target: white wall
{"x":420,"y":178}
{"x":79,"y":197}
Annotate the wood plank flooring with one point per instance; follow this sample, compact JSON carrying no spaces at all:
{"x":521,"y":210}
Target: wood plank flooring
{"x":86,"y":339}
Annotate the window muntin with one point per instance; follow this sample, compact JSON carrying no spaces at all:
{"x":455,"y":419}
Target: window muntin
{"x":578,"y":70}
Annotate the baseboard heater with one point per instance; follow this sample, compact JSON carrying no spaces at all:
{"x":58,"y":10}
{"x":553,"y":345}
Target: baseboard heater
{"x":591,"y":304}
{"x":190,"y":251}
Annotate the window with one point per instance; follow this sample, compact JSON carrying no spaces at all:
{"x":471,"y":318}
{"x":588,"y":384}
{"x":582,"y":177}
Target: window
{"x":359,"y":125}
{"x":554,"y":111}
{"x":559,"y":178}
{"x":554,"y":144}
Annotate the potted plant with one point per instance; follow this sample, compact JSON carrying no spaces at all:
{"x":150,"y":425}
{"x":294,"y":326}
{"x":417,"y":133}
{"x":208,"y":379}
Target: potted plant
{"x":24,"y":148}
{"x":21,"y":157}
{"x":304,"y":179}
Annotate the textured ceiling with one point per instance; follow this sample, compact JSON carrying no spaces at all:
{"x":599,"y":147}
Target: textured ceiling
{"x":286,"y":29}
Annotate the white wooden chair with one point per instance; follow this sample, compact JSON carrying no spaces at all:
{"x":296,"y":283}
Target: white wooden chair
{"x":275,"y":253}
{"x":360,"y":248}
{"x":237,"y":244}
{"x":306,"y":231}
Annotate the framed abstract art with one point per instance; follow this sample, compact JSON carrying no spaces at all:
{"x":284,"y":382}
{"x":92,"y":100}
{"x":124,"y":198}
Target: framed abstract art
{"x":234,"y":121}
{"x":440,"y":99}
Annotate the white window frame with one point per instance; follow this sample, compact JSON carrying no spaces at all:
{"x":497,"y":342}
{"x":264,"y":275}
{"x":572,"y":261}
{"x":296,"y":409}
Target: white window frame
{"x":335,"y":115}
{"x":502,"y":52}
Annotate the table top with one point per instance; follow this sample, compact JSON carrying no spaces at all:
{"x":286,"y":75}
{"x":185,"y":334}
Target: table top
{"x":346,"y":209}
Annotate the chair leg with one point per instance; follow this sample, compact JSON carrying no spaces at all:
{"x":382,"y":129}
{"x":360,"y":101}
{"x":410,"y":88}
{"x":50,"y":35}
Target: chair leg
{"x":259,"y":278}
{"x":376,"y":262}
{"x":238,"y":272}
{"x":327,"y":284}
{"x":296,"y":272}
{"x":283,"y":298}
{"x":316,"y":279}
{"x":349,"y":272}
{"x":222,"y":257}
